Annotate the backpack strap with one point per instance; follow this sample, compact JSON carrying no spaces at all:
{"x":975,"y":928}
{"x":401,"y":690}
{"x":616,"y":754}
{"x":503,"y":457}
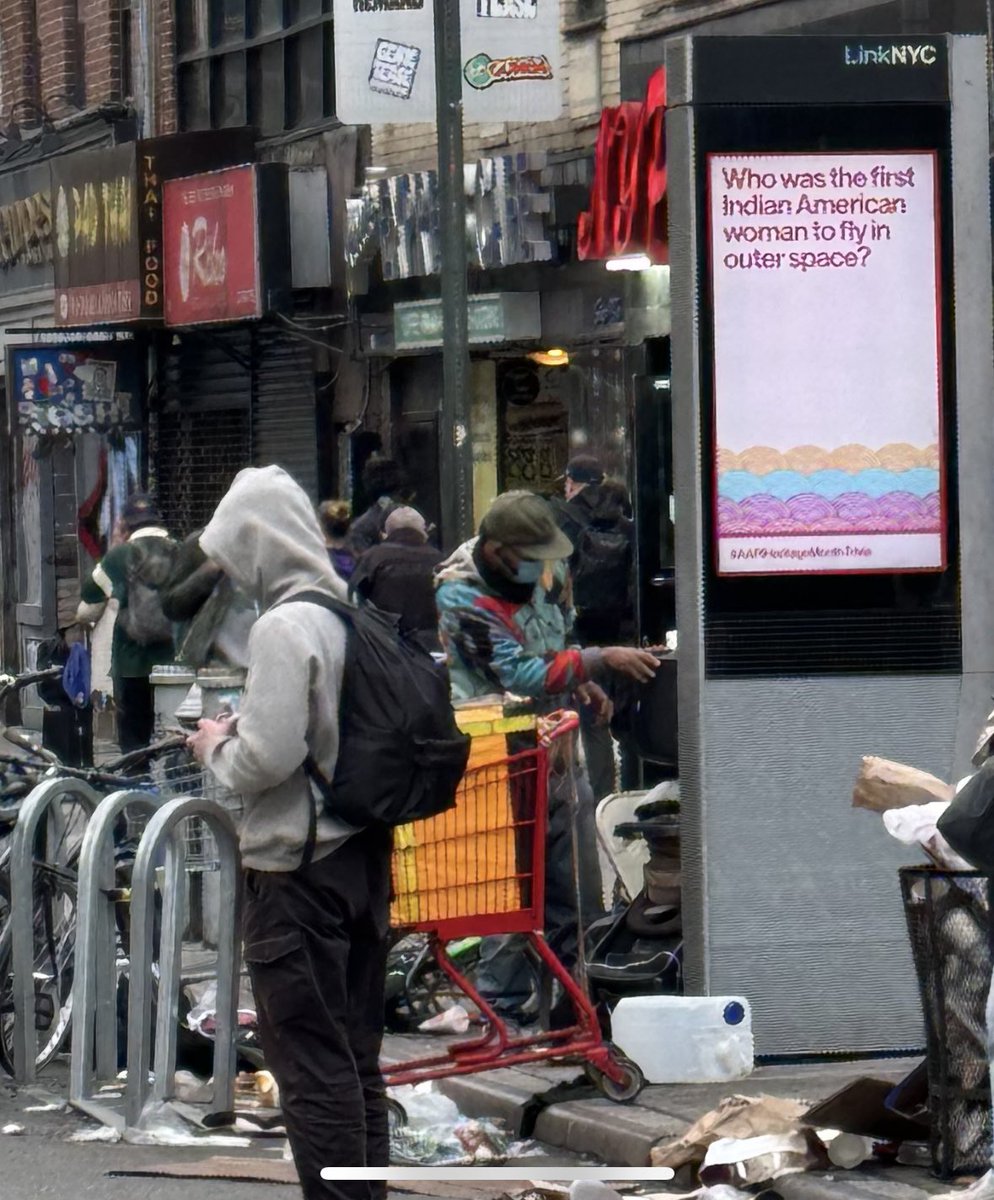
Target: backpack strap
{"x":313,"y":772}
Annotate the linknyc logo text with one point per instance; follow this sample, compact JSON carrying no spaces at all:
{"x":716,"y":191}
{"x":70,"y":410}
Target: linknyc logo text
{"x":890,"y":56}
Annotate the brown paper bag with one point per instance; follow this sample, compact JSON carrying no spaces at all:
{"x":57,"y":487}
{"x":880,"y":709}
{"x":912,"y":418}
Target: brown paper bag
{"x":735,"y":1117}
{"x":882,"y":784}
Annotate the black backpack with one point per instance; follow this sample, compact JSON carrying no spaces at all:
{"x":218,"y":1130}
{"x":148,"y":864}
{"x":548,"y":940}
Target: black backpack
{"x":401,"y":756}
{"x":150,"y":564}
{"x":601,"y":568}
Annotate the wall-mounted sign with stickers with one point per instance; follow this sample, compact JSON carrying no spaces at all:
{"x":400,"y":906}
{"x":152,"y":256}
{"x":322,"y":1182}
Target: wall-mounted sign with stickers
{"x":73,"y":389}
{"x":385,"y":61}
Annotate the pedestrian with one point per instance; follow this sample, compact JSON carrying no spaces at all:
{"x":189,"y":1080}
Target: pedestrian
{"x":385,"y":489}
{"x":595,"y":516}
{"x":316,"y":889}
{"x":213,"y":618}
{"x":132,"y":574}
{"x":506,"y":626}
{"x":398,"y":576}
{"x":336,"y":517}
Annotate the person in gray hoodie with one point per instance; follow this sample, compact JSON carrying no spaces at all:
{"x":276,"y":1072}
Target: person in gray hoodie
{"x":316,"y":889}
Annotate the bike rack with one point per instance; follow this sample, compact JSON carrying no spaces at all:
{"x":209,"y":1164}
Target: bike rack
{"x":164,"y":828}
{"x":94,"y":1020}
{"x":39,"y":803}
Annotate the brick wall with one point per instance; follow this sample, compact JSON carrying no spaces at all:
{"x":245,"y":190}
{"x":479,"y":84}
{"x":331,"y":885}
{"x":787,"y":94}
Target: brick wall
{"x":102,"y":45}
{"x":58,"y":55}
{"x":18,"y":59}
{"x":165,"y":81}
{"x":67,"y":54}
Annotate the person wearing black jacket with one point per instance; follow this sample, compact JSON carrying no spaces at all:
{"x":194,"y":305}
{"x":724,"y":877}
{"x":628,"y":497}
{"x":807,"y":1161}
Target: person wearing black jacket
{"x":384,"y":486}
{"x":595,"y":516}
{"x":398,"y":576}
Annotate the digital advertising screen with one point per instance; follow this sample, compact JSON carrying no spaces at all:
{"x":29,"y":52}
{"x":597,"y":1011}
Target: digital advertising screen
{"x":825,"y":282}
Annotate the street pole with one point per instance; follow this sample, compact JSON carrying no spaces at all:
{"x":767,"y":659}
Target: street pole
{"x":455,"y":449}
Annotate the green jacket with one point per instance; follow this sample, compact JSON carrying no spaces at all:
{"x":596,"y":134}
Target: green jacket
{"x":109,"y":580}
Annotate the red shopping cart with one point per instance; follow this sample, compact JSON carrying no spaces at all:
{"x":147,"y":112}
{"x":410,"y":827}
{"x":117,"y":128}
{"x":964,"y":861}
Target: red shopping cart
{"x":480,"y":869}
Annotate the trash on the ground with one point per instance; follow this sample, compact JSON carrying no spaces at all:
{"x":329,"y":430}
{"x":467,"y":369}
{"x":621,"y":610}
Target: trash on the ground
{"x":592,"y":1189}
{"x":526,"y":1149}
{"x":12,"y":1130}
{"x":735,"y":1117}
{"x":861,"y":1107}
{"x":160,"y":1125}
{"x":917,"y":825}
{"x":980,"y":1189}
{"x":202,"y":1016}
{"x":745,"y":1161}
{"x":99,"y":1133}
{"x":709,"y":1037}
{"x":846,"y":1150}
{"x":425,"y":1106}
{"x":436,"y":1133}
{"x":450,"y":1020}
{"x":882,"y":784}
{"x":191,"y":1088}
{"x":55,"y":1106}
{"x":258,"y":1088}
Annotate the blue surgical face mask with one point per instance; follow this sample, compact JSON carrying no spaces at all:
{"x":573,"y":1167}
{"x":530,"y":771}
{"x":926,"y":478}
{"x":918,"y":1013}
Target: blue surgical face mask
{"x":528,"y":571}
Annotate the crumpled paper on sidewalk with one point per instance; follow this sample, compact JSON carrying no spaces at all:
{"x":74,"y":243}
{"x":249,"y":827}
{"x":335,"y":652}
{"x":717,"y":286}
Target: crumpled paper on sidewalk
{"x":740,"y":1162}
{"x":735,"y":1117}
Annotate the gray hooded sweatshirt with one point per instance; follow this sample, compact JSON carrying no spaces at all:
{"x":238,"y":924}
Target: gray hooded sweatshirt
{"x":265,"y":536}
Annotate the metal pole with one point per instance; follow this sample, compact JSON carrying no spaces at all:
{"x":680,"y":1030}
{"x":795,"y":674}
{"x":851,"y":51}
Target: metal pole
{"x":455,"y":450}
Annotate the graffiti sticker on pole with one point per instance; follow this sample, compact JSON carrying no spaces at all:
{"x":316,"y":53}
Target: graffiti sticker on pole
{"x":826,"y":304}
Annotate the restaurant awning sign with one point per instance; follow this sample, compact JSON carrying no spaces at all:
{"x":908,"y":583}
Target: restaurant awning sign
{"x":107,"y":219}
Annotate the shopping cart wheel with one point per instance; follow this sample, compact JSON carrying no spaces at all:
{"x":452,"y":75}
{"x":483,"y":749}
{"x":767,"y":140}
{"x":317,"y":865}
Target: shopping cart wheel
{"x":396,"y":1113}
{"x":625,"y":1091}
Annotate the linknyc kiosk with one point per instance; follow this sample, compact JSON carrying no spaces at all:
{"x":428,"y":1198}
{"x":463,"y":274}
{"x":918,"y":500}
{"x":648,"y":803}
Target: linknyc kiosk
{"x":833,"y":401}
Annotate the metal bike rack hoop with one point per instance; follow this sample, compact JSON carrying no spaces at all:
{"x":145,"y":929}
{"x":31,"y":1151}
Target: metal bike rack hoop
{"x":94,"y":1017}
{"x":37,"y":804}
{"x":164,"y":828}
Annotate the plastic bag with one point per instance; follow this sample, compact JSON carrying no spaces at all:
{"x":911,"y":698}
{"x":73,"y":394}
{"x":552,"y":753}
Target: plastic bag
{"x":918,"y":825}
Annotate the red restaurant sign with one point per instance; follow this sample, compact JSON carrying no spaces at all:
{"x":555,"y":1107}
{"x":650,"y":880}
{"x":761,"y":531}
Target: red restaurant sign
{"x":628,"y":197}
{"x":211,"y":247}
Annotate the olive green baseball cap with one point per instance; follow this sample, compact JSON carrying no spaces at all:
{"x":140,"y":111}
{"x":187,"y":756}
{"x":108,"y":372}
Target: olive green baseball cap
{"x":525,"y":523}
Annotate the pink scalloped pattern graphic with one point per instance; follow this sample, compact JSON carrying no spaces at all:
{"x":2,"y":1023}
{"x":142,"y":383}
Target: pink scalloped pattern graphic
{"x":854,"y":512}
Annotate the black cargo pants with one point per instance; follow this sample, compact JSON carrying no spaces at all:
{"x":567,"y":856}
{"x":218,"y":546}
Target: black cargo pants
{"x":316,"y":947}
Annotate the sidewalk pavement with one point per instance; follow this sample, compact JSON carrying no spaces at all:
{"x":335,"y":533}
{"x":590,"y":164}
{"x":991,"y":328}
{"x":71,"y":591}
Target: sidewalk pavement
{"x":624,"y":1134}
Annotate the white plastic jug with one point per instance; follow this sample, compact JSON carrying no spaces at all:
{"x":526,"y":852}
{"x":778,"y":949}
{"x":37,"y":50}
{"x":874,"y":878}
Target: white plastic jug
{"x":685,"y":1039}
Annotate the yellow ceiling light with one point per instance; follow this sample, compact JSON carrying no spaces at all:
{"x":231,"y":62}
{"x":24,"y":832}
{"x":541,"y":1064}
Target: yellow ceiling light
{"x":553,"y":357}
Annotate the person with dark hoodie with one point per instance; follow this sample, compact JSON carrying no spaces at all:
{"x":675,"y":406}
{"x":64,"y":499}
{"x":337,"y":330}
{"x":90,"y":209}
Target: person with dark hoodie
{"x":316,"y":889}
{"x":129,"y":573}
{"x":384,"y":487}
{"x":398,"y":576}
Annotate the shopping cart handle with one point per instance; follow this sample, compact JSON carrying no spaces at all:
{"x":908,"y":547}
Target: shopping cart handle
{"x":557,"y":724}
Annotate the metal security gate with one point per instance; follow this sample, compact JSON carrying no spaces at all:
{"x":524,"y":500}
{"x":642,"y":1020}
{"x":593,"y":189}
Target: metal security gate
{"x":284,"y":429}
{"x":202,"y":432}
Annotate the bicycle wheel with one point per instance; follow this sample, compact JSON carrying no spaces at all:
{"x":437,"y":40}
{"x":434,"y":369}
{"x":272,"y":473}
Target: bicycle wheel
{"x":54,"y":945}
